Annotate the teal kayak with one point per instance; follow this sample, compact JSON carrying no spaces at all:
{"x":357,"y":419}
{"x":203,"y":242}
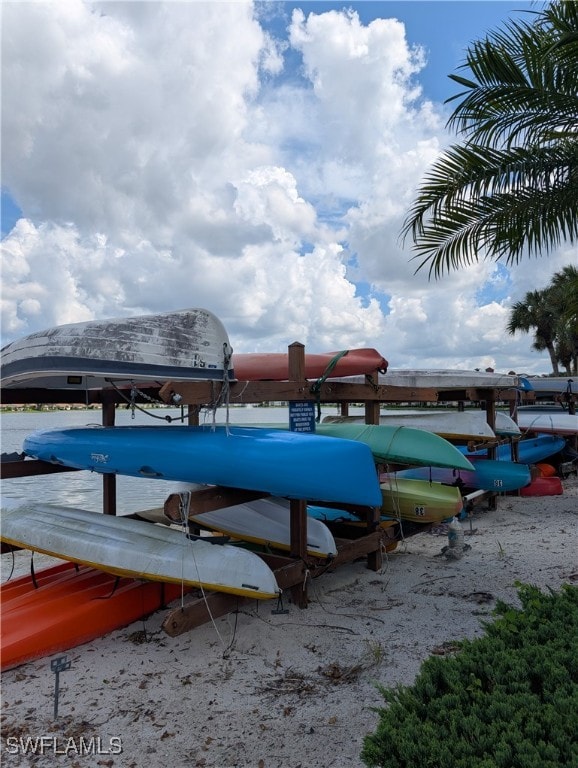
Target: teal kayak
{"x":487,"y":475}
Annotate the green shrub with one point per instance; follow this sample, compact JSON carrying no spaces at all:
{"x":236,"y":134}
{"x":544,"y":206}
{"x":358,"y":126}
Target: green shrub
{"x":506,"y":700}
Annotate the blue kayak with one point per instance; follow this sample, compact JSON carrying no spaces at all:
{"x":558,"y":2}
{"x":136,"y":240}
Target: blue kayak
{"x":487,"y":475}
{"x":530,"y":450}
{"x":291,"y":464}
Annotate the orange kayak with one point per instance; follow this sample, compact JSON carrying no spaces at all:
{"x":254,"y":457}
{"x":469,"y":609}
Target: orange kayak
{"x":70,"y":606}
{"x":273,"y":366}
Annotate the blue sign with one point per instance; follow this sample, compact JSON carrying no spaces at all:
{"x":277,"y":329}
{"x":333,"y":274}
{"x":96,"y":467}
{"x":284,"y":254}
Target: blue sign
{"x":302,"y":416}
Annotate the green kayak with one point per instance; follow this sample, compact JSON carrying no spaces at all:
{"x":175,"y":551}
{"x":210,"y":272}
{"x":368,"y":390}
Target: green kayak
{"x":400,"y":445}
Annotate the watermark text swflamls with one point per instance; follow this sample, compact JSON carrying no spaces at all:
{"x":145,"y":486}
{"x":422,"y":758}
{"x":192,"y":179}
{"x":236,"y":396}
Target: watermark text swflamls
{"x":56,"y":745}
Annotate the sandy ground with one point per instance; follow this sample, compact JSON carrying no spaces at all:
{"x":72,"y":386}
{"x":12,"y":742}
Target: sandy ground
{"x":285,"y":691}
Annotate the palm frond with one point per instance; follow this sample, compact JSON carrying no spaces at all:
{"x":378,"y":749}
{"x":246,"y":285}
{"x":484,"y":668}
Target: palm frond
{"x":510,"y":188}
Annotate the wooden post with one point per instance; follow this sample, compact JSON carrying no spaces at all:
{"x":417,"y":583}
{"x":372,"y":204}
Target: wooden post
{"x":298,"y":517}
{"x":193,"y":415}
{"x":371,"y":412}
{"x":375,"y":558}
{"x":296,"y":362}
{"x":108,"y":481}
{"x":491,"y":408}
{"x":298,"y":512}
{"x":491,"y":419}
{"x":372,"y":407}
{"x":298,"y":507}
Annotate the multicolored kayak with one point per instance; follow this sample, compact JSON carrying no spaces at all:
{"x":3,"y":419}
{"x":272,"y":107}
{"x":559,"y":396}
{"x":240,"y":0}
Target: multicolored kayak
{"x":418,"y":501}
{"x":279,"y":462}
{"x":487,"y":475}
{"x":71,"y":605}
{"x":134,"y":548}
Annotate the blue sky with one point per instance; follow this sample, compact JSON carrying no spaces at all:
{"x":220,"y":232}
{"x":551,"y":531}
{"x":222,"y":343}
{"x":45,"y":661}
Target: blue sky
{"x":256,"y":160}
{"x":443,"y":27}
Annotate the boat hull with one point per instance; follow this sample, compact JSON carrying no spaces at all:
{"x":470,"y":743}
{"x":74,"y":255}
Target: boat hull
{"x":416,"y":501}
{"x":552,"y":422}
{"x":275,"y":366}
{"x":133,"y":548}
{"x":487,"y":475}
{"x":188,"y":345}
{"x":402,"y":445}
{"x":69,"y":606}
{"x":420,"y":501}
{"x":451,"y":425}
{"x":531,"y":450}
{"x":443,"y":379}
{"x":279,"y":462}
{"x":544,"y":486}
{"x":267,"y":522}
{"x":553,"y":385}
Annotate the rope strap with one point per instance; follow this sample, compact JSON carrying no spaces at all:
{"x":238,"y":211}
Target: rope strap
{"x":316,"y":386}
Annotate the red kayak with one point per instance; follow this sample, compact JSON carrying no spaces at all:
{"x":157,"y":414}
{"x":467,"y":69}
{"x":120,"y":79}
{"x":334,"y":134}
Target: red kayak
{"x":273,"y":366}
{"x":70,"y":606}
{"x":543,"y":486}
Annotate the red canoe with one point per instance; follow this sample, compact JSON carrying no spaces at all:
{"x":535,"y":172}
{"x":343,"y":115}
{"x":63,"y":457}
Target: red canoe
{"x":273,"y":366}
{"x":69,"y":607}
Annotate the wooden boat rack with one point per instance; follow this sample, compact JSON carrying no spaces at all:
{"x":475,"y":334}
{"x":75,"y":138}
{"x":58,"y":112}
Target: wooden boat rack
{"x":294,"y":571}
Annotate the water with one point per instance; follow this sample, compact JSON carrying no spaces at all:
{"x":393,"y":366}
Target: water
{"x":84,"y":489}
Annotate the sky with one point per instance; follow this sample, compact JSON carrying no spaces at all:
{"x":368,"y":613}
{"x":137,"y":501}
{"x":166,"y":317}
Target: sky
{"x":256,"y":159}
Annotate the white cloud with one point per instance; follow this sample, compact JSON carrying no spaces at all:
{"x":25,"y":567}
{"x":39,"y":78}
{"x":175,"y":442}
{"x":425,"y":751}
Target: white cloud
{"x":163,"y":159}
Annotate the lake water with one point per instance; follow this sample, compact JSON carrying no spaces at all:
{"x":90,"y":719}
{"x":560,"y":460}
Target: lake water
{"x":84,"y":489}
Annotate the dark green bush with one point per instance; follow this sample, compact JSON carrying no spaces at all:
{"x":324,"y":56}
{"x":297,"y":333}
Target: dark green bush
{"x":506,"y":700}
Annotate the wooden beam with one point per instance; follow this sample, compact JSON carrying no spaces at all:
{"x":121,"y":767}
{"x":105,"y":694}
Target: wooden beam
{"x":209,"y":499}
{"x":30,"y":467}
{"x":198,"y":612}
{"x":241,"y":392}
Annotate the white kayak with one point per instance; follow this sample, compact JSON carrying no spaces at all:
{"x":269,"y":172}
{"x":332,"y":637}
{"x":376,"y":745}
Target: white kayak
{"x":553,"y":422}
{"x":134,"y":548}
{"x":267,"y":522}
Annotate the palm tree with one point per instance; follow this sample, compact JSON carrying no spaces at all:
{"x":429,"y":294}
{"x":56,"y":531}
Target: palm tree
{"x":537,"y":312}
{"x":564,"y":289}
{"x":511,"y":187}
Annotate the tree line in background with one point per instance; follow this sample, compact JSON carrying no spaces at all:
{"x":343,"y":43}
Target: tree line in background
{"x":511,"y":187}
{"x":552,"y":314}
